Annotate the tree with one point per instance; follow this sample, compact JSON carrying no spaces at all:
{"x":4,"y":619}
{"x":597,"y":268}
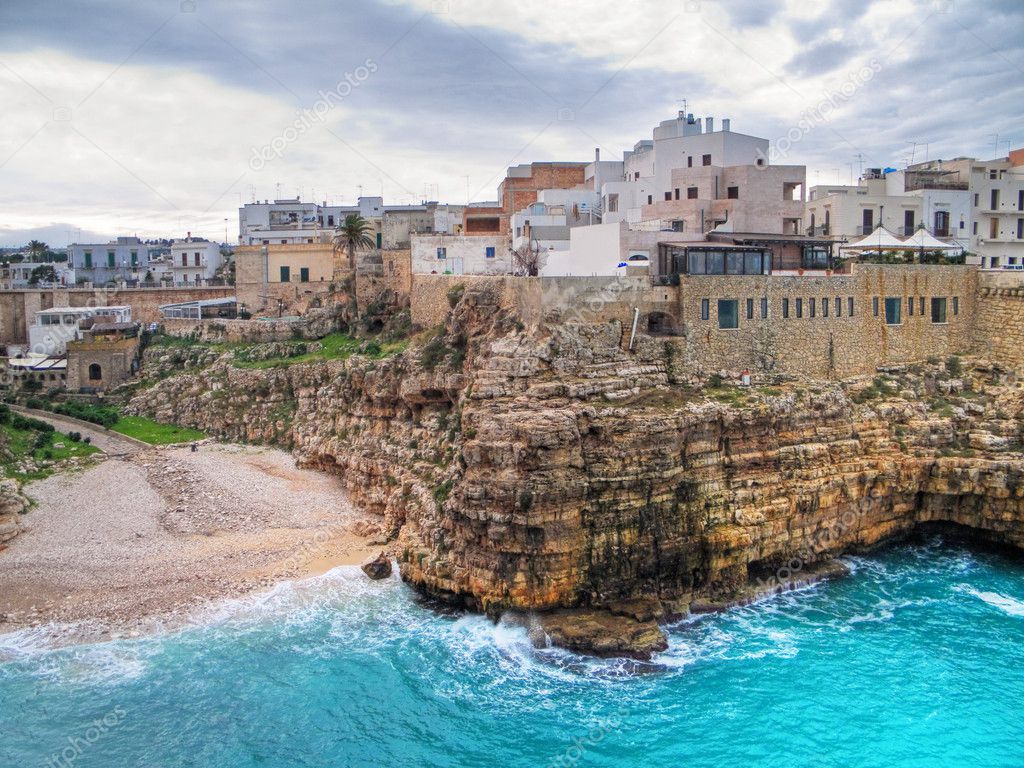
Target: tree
{"x":526,"y":259}
{"x":37,"y":249}
{"x":354,"y":234}
{"x":44,"y":273}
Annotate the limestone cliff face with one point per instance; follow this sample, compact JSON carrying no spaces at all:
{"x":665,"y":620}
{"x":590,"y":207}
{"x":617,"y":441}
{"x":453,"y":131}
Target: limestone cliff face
{"x":549,"y":468}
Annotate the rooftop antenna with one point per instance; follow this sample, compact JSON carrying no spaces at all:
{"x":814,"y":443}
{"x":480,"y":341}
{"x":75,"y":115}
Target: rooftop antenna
{"x":277,"y":191}
{"x":467,"y":190}
{"x":683,"y":102}
{"x":860,"y":164}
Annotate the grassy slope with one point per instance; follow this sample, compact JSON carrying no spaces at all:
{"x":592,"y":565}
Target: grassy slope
{"x":154,"y":433}
{"x":21,"y":444}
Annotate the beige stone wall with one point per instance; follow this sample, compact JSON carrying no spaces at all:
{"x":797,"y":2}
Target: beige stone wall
{"x":834,"y":346}
{"x":114,"y":358}
{"x":17,"y":308}
{"x":393,"y":273}
{"x":999,"y":327}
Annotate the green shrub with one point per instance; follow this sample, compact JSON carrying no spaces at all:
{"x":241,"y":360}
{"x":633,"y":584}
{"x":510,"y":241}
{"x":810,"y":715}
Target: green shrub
{"x":953,"y":366}
{"x":103,"y":415}
{"x":27,"y":422}
{"x":5,"y":413}
{"x":715,"y":381}
{"x":455,"y":294}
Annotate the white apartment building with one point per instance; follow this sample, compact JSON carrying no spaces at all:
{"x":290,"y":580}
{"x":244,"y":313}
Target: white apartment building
{"x":52,"y":329}
{"x":194,"y":260}
{"x":690,"y":177}
{"x":546,"y":223}
{"x":434,"y":254}
{"x":997,"y":204}
{"x":126,"y":258}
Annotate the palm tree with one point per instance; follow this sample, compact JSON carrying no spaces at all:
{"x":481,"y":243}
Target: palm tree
{"x":355,"y":234}
{"x":37,"y":249}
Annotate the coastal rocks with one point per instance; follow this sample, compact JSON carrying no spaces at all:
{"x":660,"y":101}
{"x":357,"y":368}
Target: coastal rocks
{"x":602,"y":633}
{"x":377,"y":567}
{"x":13,"y":504}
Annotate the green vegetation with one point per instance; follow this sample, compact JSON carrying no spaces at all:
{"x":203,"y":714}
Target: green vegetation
{"x":336,"y":346}
{"x":954,"y":367}
{"x":154,"y":433}
{"x":878,"y":388}
{"x":33,"y":440}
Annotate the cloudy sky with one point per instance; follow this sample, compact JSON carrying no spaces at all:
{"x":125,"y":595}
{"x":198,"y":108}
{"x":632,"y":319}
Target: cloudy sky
{"x":154,"y":117}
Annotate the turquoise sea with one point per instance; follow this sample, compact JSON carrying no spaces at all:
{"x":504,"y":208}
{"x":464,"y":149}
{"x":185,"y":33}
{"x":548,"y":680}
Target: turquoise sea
{"x":916,"y":659}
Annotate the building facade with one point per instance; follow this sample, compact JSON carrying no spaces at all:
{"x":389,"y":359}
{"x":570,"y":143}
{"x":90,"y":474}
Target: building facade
{"x":194,"y":260}
{"x":123,"y":259}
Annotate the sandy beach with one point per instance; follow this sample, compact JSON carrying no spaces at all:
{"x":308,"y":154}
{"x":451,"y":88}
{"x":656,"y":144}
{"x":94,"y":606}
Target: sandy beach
{"x":146,"y":536}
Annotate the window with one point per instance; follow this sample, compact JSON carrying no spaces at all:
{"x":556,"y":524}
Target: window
{"x":110,"y":259}
{"x":995,"y":199}
{"x":908,"y":222}
{"x":88,"y":259}
{"x":874,"y":306}
{"x":867,"y":220}
{"x":785,"y":308}
{"x":489,"y":252}
{"x":705,"y":310}
{"x":750,"y":309}
{"x":974,"y":227}
{"x":677,"y":193}
{"x":705,"y":160}
{"x":732,"y":193}
{"x":839,"y":307}
{"x":956,"y":305}
{"x":939,"y":310}
{"x":824,"y":307}
{"x":196,"y":262}
{"x":678,"y":225}
{"x":330,"y":221}
{"x":941,"y":224}
{"x":975,"y":199}
{"x":286,"y":274}
{"x":303,"y":274}
{"x":849,"y":306}
{"x":668,"y":196}
{"x":1020,"y":229}
{"x":380,"y":240}
{"x":910,"y":306}
{"x":95,"y":372}
{"x":184,"y":259}
{"x":728,"y":314}
{"x":135,"y":258}
{"x":811,"y":307}
{"x":799,"y":307}
{"x":650,"y":199}
{"x":442,"y":253}
{"x":689,"y":161}
{"x":691,"y":193}
{"x":764,"y":308}
{"x":892,"y":310}
{"x":922,"y":306}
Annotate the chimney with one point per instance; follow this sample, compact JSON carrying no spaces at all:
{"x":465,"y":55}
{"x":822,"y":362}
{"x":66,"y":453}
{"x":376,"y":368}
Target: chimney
{"x":188,"y":237}
{"x":725,"y":123}
{"x":597,"y":154}
{"x":709,"y":124}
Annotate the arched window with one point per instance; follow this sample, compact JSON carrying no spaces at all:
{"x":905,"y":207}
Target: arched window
{"x":95,"y":372}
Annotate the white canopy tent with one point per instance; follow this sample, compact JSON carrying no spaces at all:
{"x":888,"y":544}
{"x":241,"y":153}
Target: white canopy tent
{"x":921,"y":239}
{"x":879,"y":240}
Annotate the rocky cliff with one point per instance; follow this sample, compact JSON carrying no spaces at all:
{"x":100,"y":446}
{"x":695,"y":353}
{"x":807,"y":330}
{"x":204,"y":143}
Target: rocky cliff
{"x":547,"y":468}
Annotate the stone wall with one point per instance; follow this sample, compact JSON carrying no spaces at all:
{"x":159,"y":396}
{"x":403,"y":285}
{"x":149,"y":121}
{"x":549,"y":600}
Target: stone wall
{"x":315,"y":324}
{"x":115,"y":359}
{"x":835,"y":345}
{"x":384,"y":275}
{"x":999,"y":327}
{"x":832,"y":345}
{"x":17,"y":307}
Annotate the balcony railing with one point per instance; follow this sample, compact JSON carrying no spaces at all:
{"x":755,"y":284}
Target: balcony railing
{"x":822,"y":230}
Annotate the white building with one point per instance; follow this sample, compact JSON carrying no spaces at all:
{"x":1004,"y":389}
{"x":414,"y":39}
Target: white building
{"x":546,"y":223}
{"x":461,"y":255}
{"x":53,"y":328}
{"x":19,"y":274}
{"x":194,"y":260}
{"x":126,"y":258}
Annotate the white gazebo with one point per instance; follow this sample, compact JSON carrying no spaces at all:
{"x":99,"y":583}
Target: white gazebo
{"x":879,"y":240}
{"x":926,"y":242}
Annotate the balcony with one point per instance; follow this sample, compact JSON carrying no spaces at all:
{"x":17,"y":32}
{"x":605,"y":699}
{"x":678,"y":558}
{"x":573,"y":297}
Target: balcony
{"x":822,"y":230}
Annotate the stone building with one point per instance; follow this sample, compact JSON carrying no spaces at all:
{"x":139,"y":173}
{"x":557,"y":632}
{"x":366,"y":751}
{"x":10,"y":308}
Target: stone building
{"x":268,"y":274}
{"x":105,"y":358}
